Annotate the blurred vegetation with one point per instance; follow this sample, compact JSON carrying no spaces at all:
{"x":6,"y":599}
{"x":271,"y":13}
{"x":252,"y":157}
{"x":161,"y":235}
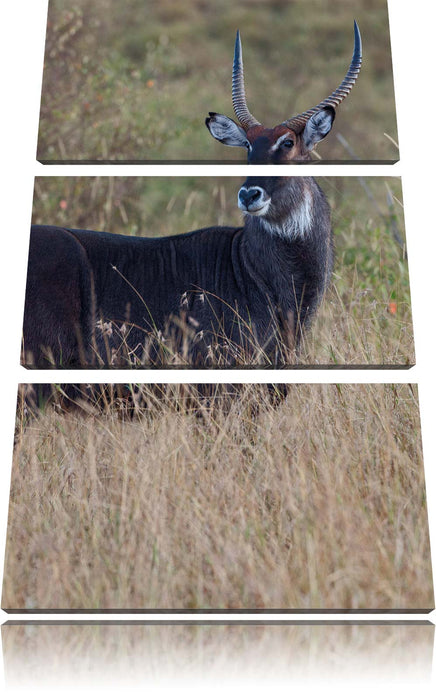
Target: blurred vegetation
{"x":366,"y":318}
{"x":135,"y":80}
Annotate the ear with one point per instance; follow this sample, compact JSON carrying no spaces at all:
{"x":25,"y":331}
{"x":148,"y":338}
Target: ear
{"x":318,"y":126}
{"x":226,"y":130}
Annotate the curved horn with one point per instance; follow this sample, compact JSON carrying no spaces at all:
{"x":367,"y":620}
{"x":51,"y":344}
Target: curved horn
{"x":238,"y":90}
{"x":342,"y":91}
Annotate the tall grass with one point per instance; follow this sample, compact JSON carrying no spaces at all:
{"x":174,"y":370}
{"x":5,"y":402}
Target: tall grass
{"x":135,"y":82}
{"x":236,"y":502}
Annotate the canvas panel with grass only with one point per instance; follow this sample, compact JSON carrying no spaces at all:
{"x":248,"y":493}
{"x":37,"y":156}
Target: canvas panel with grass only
{"x":175,"y":497}
{"x":141,"y":92}
{"x":221,"y":296}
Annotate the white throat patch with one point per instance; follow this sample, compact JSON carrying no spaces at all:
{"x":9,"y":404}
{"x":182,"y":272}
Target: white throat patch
{"x":298,"y":223}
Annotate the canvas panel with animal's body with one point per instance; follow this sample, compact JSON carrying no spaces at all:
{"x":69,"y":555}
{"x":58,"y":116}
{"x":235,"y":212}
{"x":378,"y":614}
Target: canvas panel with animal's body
{"x":102,"y":299}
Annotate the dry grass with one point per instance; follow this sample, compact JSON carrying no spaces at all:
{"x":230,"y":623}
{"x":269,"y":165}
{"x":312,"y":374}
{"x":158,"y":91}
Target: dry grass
{"x":143,"y":653}
{"x":315,"y":503}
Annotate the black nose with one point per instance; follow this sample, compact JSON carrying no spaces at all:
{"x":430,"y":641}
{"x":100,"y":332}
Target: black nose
{"x":247,"y":197}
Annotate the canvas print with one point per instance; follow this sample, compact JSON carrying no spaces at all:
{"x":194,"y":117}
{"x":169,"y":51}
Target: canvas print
{"x":277,"y":81}
{"x":212,"y":497}
{"x":263,"y":272}
{"x":40,"y":653}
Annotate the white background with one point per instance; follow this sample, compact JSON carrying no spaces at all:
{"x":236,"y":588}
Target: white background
{"x":413,"y":38}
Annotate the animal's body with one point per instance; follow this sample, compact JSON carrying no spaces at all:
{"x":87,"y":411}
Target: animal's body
{"x":221,"y":295}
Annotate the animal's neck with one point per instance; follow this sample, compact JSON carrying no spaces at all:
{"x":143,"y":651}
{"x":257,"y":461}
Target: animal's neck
{"x":292,"y":261}
{"x":298,"y":225}
{"x":276,"y":255}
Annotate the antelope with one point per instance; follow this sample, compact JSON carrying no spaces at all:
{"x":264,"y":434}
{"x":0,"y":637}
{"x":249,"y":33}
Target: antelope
{"x":250,"y":290}
{"x":293,"y":139}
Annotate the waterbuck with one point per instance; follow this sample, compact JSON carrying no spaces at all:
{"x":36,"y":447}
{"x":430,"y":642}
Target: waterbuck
{"x":293,"y":139}
{"x":215,"y":296}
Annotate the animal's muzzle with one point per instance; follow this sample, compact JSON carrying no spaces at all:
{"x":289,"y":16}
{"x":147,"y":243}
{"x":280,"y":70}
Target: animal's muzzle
{"x":253,"y":200}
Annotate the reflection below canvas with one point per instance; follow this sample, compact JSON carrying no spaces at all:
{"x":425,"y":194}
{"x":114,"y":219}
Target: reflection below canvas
{"x":119,"y":653}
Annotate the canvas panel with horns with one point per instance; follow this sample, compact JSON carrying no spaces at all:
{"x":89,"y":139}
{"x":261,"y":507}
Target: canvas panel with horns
{"x":140,"y":94}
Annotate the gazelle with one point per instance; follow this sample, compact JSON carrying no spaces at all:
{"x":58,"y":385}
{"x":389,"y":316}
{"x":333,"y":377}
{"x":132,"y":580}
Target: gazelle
{"x":293,"y":139}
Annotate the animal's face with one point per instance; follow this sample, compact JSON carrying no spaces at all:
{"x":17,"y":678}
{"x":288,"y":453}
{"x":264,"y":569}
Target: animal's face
{"x":281,"y":144}
{"x":285,"y":205}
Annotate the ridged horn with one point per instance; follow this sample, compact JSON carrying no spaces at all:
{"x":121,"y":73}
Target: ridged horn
{"x":342,"y":91}
{"x":238,"y":89}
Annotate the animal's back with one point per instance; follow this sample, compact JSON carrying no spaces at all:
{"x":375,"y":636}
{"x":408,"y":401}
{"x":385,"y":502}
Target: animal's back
{"x":108,"y":290}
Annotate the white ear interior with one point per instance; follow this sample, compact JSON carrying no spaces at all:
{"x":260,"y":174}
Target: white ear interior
{"x":227,"y":131}
{"x":318,"y":126}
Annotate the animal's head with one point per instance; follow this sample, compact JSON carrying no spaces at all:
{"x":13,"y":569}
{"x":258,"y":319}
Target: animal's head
{"x":285,"y":204}
{"x":293,"y":139}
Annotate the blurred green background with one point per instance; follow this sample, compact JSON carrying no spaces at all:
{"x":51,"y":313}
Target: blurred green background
{"x":366,"y":318}
{"x":134,"y":80}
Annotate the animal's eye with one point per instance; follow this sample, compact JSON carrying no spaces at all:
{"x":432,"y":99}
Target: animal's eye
{"x":288,"y":143}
